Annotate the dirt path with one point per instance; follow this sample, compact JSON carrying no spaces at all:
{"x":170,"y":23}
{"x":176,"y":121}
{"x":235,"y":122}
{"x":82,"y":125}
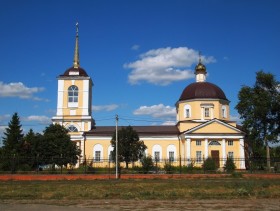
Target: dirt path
{"x":234,"y":204}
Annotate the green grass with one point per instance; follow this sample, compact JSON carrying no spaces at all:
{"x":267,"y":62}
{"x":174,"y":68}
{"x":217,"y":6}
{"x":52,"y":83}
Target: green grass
{"x":227,"y":188}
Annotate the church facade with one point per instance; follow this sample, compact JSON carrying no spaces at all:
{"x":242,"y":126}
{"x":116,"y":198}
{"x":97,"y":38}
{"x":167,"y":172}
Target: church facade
{"x":203,"y":127}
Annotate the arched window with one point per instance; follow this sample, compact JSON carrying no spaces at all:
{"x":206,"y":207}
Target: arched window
{"x":72,"y":128}
{"x":73,"y":94}
{"x":98,"y":152}
{"x":187,"y":111}
{"x":171,"y":152}
{"x":157,"y":152}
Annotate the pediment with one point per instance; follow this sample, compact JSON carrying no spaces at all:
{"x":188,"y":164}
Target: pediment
{"x":214,"y":126}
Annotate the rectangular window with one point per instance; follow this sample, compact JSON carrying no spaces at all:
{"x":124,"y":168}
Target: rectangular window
{"x":97,"y":155}
{"x":198,"y":142}
{"x":230,"y":143}
{"x":230,"y":155}
{"x":157,"y":156}
{"x":206,"y":112}
{"x":171,"y":156}
{"x":223,"y":113}
{"x":198,"y":156}
{"x":187,"y":113}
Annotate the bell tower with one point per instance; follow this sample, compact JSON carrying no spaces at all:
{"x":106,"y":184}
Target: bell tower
{"x":74,"y":95}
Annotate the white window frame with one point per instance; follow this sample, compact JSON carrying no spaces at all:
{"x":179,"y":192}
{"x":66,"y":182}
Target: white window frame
{"x":230,"y":142}
{"x":171,"y":148}
{"x":198,"y":142}
{"x":207,"y":112}
{"x":72,"y":128}
{"x":187,"y":111}
{"x":198,"y":157}
{"x":97,"y":156}
{"x":157,"y":148}
{"x":224,"y":111}
{"x":98,"y":147}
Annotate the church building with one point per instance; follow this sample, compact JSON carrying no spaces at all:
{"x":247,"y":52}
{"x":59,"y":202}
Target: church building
{"x":203,"y":127}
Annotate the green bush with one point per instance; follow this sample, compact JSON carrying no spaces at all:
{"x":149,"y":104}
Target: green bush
{"x":169,"y":169}
{"x":209,"y":164}
{"x":229,"y":166}
{"x":147,"y":164}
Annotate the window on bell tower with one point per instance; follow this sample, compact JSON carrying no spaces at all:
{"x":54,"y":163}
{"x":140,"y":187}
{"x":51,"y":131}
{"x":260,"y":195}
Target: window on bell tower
{"x":73,"y":94}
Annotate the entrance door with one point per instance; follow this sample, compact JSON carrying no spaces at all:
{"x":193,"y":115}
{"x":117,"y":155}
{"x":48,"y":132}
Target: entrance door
{"x":216,"y":157}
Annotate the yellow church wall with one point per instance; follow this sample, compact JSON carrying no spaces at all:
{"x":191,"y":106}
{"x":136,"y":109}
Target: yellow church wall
{"x":186,"y":126}
{"x":78,"y":109}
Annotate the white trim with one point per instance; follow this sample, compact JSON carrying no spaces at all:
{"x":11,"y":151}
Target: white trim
{"x":60,"y":87}
{"x":214,"y":136}
{"x":94,"y":137}
{"x":242,"y":153}
{"x":85,"y":97}
{"x":73,"y":82}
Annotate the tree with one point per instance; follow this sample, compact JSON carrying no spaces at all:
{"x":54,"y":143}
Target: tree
{"x":130,"y":148}
{"x":259,"y":109}
{"x":209,"y":164}
{"x":229,"y":165}
{"x":12,"y":137}
{"x":57,"y":147}
{"x":11,"y":144}
{"x":31,"y":150}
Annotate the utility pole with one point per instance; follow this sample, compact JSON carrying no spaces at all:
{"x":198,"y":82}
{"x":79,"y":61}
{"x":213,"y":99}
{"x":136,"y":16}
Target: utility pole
{"x":117,"y":166}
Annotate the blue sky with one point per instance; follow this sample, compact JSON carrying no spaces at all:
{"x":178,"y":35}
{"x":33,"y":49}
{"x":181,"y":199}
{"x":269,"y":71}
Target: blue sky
{"x":140,"y":54}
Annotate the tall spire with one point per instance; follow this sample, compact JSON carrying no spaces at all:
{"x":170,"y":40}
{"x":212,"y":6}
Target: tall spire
{"x":76,"y":62}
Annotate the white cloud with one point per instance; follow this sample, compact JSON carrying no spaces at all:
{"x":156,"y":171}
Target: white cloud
{"x":164,"y":65}
{"x":2,"y":130}
{"x":41,"y":119}
{"x":236,"y":119}
{"x":110,"y":107}
{"x":169,"y":123}
{"x":5,"y":117}
{"x":18,"y":89}
{"x":156,"y":111}
{"x":135,"y":47}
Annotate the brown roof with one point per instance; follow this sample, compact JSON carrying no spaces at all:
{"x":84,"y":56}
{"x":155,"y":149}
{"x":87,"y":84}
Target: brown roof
{"x":202,"y":90}
{"x":80,"y":72}
{"x":141,"y":130}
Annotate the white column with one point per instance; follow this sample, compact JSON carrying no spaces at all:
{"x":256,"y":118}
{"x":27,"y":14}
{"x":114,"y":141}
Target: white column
{"x":82,"y":149}
{"x":79,"y":147}
{"x":85,"y":97}
{"x":206,"y":148}
{"x":188,"y":151}
{"x":224,"y":157}
{"x":202,"y":113}
{"x":242,"y":153}
{"x":60,"y":91}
